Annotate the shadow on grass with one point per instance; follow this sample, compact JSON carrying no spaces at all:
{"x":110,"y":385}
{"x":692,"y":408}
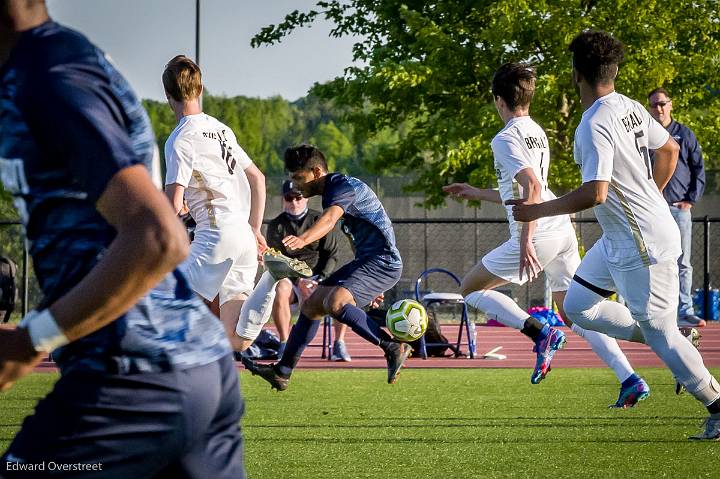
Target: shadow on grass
{"x":464,"y":440}
{"x":484,"y":423}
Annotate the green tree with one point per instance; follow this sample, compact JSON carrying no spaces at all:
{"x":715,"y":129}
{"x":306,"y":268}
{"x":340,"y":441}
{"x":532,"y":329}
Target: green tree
{"x":427,"y":67}
{"x":333,"y":143}
{"x":266,"y":127}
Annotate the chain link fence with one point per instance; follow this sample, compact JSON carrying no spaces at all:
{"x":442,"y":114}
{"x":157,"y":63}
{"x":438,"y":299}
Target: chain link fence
{"x":458,"y":244}
{"x":453,"y":244}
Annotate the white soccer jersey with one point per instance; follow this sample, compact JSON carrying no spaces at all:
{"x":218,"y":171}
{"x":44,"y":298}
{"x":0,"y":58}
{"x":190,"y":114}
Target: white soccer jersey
{"x":203,"y":155}
{"x":611,"y":144}
{"x":523,"y":144}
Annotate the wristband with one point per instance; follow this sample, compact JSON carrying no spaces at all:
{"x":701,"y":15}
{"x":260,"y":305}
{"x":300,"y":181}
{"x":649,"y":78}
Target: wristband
{"x":44,"y":331}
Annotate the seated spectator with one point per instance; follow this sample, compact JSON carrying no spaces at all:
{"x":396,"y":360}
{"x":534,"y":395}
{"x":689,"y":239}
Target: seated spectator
{"x":8,"y":288}
{"x":321,"y":256}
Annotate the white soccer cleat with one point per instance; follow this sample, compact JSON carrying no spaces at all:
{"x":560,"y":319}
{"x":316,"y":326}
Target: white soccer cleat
{"x":710,"y":431}
{"x":281,"y":266}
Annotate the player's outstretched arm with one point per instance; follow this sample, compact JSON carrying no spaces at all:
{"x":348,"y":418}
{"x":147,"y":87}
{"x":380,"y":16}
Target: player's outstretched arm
{"x":665,"y":161}
{"x":591,"y":193}
{"x":324,"y":224}
{"x":468,"y":192}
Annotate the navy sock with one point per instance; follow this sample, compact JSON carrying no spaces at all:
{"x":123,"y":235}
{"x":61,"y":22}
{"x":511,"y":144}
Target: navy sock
{"x":359,"y":322}
{"x":631,"y":380}
{"x":301,"y":334}
{"x":535,"y":330}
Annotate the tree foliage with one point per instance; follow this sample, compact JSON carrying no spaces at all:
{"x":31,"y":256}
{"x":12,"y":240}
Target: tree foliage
{"x":266,"y":127}
{"x":422,"y":71}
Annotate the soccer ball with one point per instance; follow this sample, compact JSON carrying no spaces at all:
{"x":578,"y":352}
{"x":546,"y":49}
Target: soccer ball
{"x":407,"y":320}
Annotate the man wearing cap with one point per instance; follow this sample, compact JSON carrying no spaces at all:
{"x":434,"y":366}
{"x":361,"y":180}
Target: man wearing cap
{"x":321,"y":256}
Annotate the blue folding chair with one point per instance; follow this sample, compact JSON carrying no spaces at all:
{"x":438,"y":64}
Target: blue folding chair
{"x":327,"y":342}
{"x":433,"y":298}
{"x":327,"y":339}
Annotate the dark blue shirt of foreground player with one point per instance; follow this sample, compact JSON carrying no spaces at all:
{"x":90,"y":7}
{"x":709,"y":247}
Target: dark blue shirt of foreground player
{"x":364,"y":221}
{"x":68,"y":123}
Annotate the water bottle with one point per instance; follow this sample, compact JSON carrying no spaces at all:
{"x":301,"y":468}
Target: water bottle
{"x":699,"y":304}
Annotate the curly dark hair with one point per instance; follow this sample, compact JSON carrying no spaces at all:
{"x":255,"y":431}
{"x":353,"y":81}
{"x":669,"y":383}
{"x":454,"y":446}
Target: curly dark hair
{"x":597,"y":55}
{"x":303,"y":157}
{"x":514,"y":83}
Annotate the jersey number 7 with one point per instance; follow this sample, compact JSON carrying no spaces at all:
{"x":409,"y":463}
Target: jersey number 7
{"x":644,"y":155}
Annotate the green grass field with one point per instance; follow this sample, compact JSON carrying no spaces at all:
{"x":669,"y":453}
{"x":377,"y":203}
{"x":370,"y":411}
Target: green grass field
{"x":465,"y":423}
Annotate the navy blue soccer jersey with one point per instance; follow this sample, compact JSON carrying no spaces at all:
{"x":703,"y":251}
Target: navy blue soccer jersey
{"x":364,"y":221}
{"x":68,"y":123}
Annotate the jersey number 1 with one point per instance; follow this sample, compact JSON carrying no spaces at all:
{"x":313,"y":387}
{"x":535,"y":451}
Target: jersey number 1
{"x":643,"y":153}
{"x":542,"y":170}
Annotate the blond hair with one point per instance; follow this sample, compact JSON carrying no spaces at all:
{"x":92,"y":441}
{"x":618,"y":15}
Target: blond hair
{"x":182,"y":79}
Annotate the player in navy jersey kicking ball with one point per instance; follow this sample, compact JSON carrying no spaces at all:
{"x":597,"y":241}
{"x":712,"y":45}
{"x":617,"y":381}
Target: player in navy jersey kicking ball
{"x":147,"y":383}
{"x":377,"y":266}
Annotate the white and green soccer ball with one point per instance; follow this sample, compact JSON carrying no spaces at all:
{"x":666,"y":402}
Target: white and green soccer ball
{"x":407,"y":320}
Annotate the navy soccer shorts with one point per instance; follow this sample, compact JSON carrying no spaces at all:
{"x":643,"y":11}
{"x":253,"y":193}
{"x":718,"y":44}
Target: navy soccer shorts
{"x":179,"y":424}
{"x":365,"y":278}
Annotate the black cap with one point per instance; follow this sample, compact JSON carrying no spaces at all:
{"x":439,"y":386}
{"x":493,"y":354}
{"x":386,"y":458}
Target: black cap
{"x":289,"y":188}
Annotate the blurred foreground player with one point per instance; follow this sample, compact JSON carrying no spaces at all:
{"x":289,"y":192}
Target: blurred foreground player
{"x":148,"y":386}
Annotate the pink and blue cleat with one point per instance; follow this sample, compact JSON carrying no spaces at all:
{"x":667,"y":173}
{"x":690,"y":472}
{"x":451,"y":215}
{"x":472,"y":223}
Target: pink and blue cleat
{"x":632,"y":394}
{"x":545,"y":349}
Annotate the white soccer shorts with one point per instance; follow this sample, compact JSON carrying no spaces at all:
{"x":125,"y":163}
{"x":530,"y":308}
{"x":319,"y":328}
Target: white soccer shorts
{"x":558,"y":257}
{"x":650,"y":292}
{"x":222,"y":262}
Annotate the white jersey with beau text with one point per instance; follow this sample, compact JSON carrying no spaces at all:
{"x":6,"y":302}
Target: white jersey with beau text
{"x":203,"y":155}
{"x":523,"y":144}
{"x":611,"y":144}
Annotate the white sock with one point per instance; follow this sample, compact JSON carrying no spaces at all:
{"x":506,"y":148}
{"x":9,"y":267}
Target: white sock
{"x":256,"y":309}
{"x":592,"y":312}
{"x":499,"y":307}
{"x":681,"y":357}
{"x":608,"y":350}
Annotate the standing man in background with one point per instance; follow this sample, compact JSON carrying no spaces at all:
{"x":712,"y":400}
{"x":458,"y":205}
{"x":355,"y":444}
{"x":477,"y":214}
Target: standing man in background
{"x":683,"y":190}
{"x":320,"y":256}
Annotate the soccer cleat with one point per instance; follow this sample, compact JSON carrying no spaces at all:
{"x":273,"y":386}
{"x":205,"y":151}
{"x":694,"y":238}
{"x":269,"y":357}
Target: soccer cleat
{"x":281,"y":266}
{"x":545,"y":349}
{"x":710,"y":430}
{"x":692,"y":335}
{"x":268,"y":373}
{"x":631,"y":395}
{"x":396,"y":355}
{"x":340,"y":352}
{"x":691,"y":321}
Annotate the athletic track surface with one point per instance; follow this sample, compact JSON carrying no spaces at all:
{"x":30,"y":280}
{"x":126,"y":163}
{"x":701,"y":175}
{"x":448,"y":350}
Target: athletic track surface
{"x":515,"y":346}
